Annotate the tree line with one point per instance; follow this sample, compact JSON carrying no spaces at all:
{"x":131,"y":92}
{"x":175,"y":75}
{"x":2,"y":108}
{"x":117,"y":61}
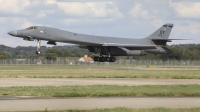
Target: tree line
{"x":181,"y":52}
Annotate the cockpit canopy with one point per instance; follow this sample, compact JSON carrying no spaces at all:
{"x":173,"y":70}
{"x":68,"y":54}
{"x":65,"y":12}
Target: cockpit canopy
{"x":32,"y":28}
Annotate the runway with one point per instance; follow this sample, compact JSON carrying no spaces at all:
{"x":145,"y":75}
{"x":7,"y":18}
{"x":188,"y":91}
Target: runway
{"x":26,"y":103}
{"x":8,"y":82}
{"x":33,"y":104}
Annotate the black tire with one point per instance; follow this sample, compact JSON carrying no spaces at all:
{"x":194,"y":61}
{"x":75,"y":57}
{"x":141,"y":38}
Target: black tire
{"x":37,"y":52}
{"x":98,"y":59}
{"x":112,"y":59}
{"x":101,"y":59}
{"x":95,"y":58}
{"x":107,"y":59}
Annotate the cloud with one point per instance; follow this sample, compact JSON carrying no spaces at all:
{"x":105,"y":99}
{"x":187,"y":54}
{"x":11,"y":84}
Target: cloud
{"x":186,"y":9}
{"x":16,"y":22}
{"x":71,"y":21}
{"x":90,"y":9}
{"x":3,"y":20}
{"x":26,"y":24}
{"x":14,"y":6}
{"x":6,"y":41}
{"x":44,"y":13}
{"x":191,"y":27}
{"x":41,"y":14}
{"x":139,"y":12}
{"x":157,"y":23}
{"x":74,"y":8}
{"x":49,"y":2}
{"x":105,"y":9}
{"x":100,"y":17}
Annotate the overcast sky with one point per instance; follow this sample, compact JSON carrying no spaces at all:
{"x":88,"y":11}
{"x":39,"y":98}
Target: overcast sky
{"x":118,"y":18}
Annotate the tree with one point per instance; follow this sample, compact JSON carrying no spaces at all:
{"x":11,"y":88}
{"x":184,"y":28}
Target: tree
{"x":50,"y":56}
{"x":4,"y":55}
{"x":55,"y":51}
{"x":67,"y":53}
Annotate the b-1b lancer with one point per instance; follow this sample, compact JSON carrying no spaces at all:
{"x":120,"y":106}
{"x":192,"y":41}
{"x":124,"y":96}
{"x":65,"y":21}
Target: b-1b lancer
{"x":106,"y":47}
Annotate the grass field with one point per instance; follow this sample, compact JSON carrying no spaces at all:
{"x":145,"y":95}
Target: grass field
{"x":58,"y":71}
{"x":102,"y":91}
{"x":127,"y":110}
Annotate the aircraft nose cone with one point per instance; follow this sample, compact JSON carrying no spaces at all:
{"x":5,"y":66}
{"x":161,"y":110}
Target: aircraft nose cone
{"x":13,"y":33}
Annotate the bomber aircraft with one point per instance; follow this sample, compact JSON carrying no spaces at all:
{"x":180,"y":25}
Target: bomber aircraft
{"x":106,"y":47}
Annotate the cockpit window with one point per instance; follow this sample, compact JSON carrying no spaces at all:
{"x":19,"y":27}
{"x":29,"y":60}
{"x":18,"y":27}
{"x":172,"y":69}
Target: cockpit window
{"x":32,"y":28}
{"x":29,"y":28}
{"x":35,"y":27}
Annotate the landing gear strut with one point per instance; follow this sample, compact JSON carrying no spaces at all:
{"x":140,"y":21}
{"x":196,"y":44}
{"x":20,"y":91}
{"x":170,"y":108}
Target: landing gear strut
{"x":38,"y":47}
{"x":104,"y":59}
{"x":100,"y":58}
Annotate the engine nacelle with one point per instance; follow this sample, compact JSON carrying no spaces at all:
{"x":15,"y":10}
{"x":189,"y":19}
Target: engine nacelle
{"x":115,"y":51}
{"x":51,"y":43}
{"x":160,"y":50}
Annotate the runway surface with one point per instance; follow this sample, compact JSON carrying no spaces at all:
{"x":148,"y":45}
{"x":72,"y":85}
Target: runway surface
{"x":30,"y":103}
{"x":34,"y":103}
{"x":8,"y":82}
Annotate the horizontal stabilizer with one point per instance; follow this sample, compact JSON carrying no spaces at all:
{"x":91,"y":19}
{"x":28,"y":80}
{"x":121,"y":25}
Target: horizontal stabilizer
{"x":166,"y":40}
{"x":169,"y":39}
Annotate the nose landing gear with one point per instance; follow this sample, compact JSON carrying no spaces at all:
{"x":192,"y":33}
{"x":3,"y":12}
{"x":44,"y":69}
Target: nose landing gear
{"x":37,"y":52}
{"x":38,"y":47}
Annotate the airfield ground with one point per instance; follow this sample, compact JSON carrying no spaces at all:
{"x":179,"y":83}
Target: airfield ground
{"x":92,"y":103}
{"x":59,"y":71}
{"x":130,"y":110}
{"x":87,"y":81}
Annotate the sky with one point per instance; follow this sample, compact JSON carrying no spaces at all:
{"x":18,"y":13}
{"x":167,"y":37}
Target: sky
{"x":116,"y":18}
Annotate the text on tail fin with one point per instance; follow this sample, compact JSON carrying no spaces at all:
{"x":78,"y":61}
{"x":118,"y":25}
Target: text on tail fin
{"x":163,"y":32}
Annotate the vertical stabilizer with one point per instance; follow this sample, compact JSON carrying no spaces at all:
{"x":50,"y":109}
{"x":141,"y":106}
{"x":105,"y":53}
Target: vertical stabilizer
{"x":162,"y":33}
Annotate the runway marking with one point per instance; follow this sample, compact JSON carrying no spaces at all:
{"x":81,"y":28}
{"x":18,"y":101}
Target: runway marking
{"x":8,"y":82}
{"x":31,"y":104}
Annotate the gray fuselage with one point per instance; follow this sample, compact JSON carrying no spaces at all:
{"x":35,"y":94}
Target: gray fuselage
{"x":114,"y":46}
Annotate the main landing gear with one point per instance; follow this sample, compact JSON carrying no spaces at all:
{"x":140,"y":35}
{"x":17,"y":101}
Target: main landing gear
{"x":38,"y":46}
{"x":104,"y":59}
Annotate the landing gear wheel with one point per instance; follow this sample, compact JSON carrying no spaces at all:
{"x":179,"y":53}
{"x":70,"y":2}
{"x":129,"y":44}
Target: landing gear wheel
{"x":102,"y":59}
{"x":96,"y":58}
{"x":37,"y":52}
{"x":107,"y":59}
{"x":112,"y":59}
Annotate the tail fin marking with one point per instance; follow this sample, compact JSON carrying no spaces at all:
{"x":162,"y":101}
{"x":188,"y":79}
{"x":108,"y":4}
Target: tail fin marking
{"x":162,"y":33}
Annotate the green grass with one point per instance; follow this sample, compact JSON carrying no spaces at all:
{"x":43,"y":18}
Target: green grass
{"x":58,"y":71}
{"x":127,"y":110}
{"x":102,"y":91}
